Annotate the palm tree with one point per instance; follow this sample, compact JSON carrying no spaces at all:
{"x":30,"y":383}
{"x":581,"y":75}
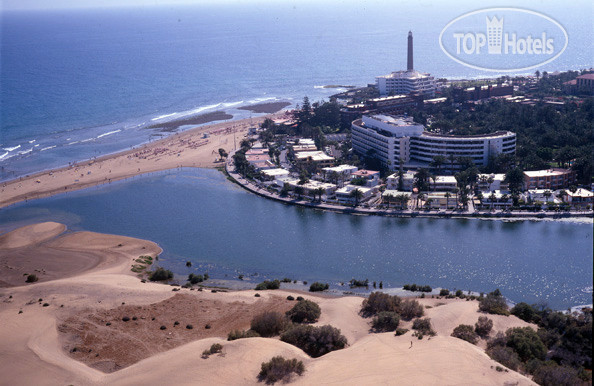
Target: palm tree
{"x":492,"y":198}
{"x":357,"y":195}
{"x":562,"y":194}
{"x":428,"y":203}
{"x":438,"y":161}
{"x":298,"y":191}
{"x":447,"y":196}
{"x":547,"y":194}
{"x":455,"y":191}
{"x":452,"y":159}
{"x":490,"y":181}
{"x":319,"y":191}
{"x":434,"y":178}
{"x":420,"y":197}
{"x":403,"y":199}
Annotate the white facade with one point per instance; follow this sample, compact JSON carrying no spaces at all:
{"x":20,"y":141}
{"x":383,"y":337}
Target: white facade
{"x":390,"y":139}
{"x":343,"y":173}
{"x":275,"y":173}
{"x":408,"y":180}
{"x":405,"y":82}
{"x":343,"y":195}
{"x":498,"y":182}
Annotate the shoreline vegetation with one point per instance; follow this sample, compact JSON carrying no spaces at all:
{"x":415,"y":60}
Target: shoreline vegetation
{"x":102,"y":324}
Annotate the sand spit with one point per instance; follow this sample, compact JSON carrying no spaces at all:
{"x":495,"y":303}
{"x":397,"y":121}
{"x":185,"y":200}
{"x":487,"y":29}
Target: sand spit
{"x":197,"y":147}
{"x":73,"y":311}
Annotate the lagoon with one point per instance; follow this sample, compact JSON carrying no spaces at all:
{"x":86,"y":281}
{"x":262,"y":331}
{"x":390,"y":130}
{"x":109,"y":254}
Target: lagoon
{"x":198,"y":215}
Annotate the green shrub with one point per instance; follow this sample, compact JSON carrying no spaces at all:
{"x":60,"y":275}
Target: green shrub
{"x":555,"y":375}
{"x":483,"y":326}
{"x":315,"y":341}
{"x":465,"y":332}
{"x":526,"y":342}
{"x":505,"y":355}
{"x":286,"y":280}
{"x":411,"y":308}
{"x":279,"y":369}
{"x":401,"y":331}
{"x":444,"y":292}
{"x":238,"y":334}
{"x":290,"y":297}
{"x":268,"y":285}
{"x":385,"y":321}
{"x":299,"y":298}
{"x":494,"y":303}
{"x":423,"y":326}
{"x":317,"y":287}
{"x":161,"y":274}
{"x":305,"y":311}
{"x":214,"y":349}
{"x":378,"y":302}
{"x":31,"y":278}
{"x":358,"y":283}
{"x":195,"y":279}
{"x":415,"y":288}
{"x":525,"y":312}
{"x":269,"y":323}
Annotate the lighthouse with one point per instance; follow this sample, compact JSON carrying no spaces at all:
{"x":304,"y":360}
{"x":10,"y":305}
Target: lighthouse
{"x":409,"y":59}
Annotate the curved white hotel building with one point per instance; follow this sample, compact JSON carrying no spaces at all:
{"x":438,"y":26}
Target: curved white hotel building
{"x":393,"y":138}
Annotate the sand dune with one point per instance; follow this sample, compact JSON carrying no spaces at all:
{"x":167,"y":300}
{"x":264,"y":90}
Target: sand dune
{"x":31,"y":234}
{"x":35,"y":345}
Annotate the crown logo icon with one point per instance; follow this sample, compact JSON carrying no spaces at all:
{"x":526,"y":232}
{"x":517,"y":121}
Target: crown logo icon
{"x":494,"y":34}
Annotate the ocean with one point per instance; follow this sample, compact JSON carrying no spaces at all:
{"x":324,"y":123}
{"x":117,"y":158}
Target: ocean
{"x":78,"y":83}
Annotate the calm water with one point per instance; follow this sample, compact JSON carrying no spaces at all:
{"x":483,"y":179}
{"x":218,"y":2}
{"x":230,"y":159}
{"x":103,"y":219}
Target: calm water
{"x":198,"y":215}
{"x":79,"y":83}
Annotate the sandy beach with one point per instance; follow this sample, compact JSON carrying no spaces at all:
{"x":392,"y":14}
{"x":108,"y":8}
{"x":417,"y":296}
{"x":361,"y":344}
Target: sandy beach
{"x":68,"y":327}
{"x":198,"y":147}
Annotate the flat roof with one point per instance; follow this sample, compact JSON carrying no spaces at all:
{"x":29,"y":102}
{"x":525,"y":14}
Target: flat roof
{"x":276,"y":172}
{"x":395,"y":193}
{"x":547,"y":172}
{"x":350,"y":188}
{"x":315,"y":155}
{"x":453,"y":136}
{"x":363,"y":172}
{"x":339,"y":168}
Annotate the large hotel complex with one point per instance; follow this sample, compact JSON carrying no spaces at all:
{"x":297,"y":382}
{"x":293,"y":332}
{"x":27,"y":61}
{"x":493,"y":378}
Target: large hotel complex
{"x":391,"y":139}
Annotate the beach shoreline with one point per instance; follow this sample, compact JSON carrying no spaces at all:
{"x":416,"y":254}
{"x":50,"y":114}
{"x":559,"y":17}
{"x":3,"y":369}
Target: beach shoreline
{"x":196,"y":147}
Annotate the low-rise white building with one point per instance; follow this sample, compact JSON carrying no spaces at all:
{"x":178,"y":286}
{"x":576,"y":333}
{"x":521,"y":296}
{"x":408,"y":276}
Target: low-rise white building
{"x":542,"y":195}
{"x":318,"y":157}
{"x":338,"y":174}
{"x":310,"y":187}
{"x":580,"y":198}
{"x":493,"y":181}
{"x":344,"y":194}
{"x":371,"y":177}
{"x":390,"y":197}
{"x":438,"y":200}
{"x":443,"y":183}
{"x":273,"y":174}
{"x":408,"y":180}
{"x":496,"y":199}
